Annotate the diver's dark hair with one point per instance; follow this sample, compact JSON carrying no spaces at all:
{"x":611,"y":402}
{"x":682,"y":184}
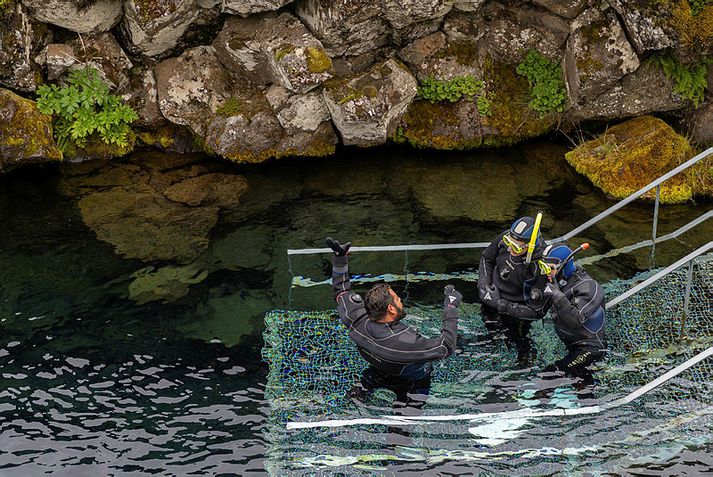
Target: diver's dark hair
{"x":377,"y":300}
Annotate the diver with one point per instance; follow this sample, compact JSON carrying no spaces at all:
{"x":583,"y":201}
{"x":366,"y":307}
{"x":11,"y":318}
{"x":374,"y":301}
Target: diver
{"x":507,"y":269}
{"x":399,"y":357}
{"x":577,"y":303}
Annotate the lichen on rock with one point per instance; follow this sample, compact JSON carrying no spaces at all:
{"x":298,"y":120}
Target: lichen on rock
{"x":632,"y":154}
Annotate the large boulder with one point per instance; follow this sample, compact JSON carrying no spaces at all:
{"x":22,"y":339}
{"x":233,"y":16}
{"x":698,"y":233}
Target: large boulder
{"x":440,"y":57}
{"x":700,"y":124}
{"x":83,"y":17}
{"x":154,"y":28}
{"x":249,"y":7}
{"x":366,"y":107}
{"x":346,"y":27}
{"x":102,"y":52}
{"x":142,"y":96}
{"x":21,"y":40}
{"x":57,"y":58}
{"x":274,"y":49}
{"x":191,"y":87}
{"x":598,"y":54}
{"x":632,"y":154}
{"x":25,"y":133}
{"x":403,"y":13}
{"x":645,"y":91}
{"x":644,"y":25}
{"x":569,"y":9}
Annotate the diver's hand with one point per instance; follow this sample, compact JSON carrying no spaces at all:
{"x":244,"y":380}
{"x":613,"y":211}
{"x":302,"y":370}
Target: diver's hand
{"x":490,"y":295}
{"x":339,"y":249}
{"x":551,"y":288}
{"x":453,"y":297}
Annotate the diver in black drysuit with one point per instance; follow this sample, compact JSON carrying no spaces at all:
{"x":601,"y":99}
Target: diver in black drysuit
{"x":577,"y":302}
{"x":399,"y":357}
{"x":504,"y":287}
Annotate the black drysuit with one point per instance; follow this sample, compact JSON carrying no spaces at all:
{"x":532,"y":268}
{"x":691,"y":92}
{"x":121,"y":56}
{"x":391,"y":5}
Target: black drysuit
{"x":400,"y":357}
{"x":514,"y":310}
{"x":578,"y":314}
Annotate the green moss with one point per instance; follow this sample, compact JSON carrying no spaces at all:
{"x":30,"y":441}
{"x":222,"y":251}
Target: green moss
{"x":231,"y":107}
{"x":6,"y":6}
{"x":162,"y":137}
{"x":697,"y":6}
{"x":283,"y":51}
{"x":695,"y":31}
{"x":422,"y":120}
{"x":317,"y":60}
{"x":632,"y":154}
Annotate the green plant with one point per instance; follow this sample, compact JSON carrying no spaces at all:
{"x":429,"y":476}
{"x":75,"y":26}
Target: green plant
{"x":231,"y":107}
{"x":691,"y":82}
{"x":85,"y":107}
{"x":485,"y":103}
{"x":434,"y":90}
{"x":547,"y":88}
{"x":698,"y":5}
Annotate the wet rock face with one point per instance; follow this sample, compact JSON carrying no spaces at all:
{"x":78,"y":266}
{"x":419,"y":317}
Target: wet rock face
{"x":274,"y":49}
{"x":21,"y":40}
{"x":632,"y":154}
{"x":366,"y":107}
{"x":83,"y":17}
{"x":154,"y":27}
{"x":25,"y":133}
{"x":598,"y":55}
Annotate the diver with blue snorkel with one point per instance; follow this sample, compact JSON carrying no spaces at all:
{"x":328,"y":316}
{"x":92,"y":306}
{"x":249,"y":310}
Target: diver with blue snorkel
{"x":577,"y":302}
{"x":505,"y":270}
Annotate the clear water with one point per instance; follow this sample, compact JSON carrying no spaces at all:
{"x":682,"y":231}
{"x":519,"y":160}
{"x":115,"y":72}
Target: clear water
{"x":94,"y":381}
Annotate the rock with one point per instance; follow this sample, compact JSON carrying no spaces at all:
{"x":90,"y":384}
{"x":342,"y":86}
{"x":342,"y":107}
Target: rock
{"x":366,"y":107}
{"x":442,"y":125}
{"x":57,"y":58}
{"x":95,"y":16}
{"x":440,"y":57}
{"x":167,"y":284}
{"x":191,"y":87}
{"x":598,"y":55}
{"x":414,"y":31}
{"x":25,"y":133}
{"x":506,"y":34}
{"x":305,"y":112}
{"x":102,"y":52}
{"x":346,"y":27}
{"x":154,"y":28}
{"x":223,"y":190}
{"x":170,"y":137}
{"x":644,"y":25}
{"x":245,"y":137}
{"x":128,"y":205}
{"x":632,"y":154}
{"x":700,"y":124}
{"x":645,"y":91}
{"x":403,"y":13}
{"x":239,"y":49}
{"x":249,"y":7}
{"x":21,"y":40}
{"x":569,"y":9}
{"x":96,"y":148}
{"x":142,"y":96}
{"x":468,"y":5}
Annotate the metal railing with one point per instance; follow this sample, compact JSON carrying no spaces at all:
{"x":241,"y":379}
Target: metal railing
{"x":657,"y":184}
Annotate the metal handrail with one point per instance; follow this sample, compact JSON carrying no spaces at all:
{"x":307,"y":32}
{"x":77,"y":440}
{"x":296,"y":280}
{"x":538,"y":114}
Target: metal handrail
{"x":662,"y":273}
{"x":602,"y":215}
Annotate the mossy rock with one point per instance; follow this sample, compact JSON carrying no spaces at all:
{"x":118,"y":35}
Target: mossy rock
{"x":695,"y":32}
{"x":634,"y":153}
{"x":95,"y":148}
{"x":25,"y":133}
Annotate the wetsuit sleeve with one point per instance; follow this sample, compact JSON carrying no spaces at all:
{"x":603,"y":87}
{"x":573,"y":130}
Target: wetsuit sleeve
{"x":417,"y":348}
{"x":487,"y":264}
{"x":349,"y":305}
{"x":587,"y":297}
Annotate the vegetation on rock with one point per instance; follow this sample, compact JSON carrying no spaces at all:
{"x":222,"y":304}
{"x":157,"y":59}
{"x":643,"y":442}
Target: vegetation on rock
{"x":434,"y":90}
{"x":697,"y":6}
{"x":231,"y":107}
{"x":691,"y":82}
{"x":546,"y":84}
{"x":631,"y":154}
{"x":83,"y":108}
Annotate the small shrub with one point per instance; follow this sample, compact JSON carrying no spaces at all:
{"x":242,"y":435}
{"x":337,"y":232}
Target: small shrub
{"x":434,"y":90}
{"x":231,"y":107}
{"x":485,"y":103}
{"x":691,"y":82}
{"x":697,"y":6}
{"x":85,"y":107}
{"x":547,"y":88}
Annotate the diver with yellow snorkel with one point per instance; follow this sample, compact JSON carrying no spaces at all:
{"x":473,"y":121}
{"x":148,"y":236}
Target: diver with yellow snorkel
{"x":506,"y":267}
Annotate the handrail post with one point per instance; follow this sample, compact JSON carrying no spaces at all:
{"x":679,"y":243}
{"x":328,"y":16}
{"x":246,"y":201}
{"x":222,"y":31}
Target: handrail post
{"x":655,"y":226}
{"x":687,"y":297}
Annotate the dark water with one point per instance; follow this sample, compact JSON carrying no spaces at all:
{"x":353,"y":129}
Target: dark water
{"x":94,"y":381}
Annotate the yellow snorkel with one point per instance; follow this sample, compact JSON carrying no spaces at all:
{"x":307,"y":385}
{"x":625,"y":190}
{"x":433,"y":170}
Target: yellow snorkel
{"x":533,"y":239}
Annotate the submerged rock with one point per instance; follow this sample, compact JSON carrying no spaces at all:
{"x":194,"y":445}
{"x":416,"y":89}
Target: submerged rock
{"x":25,"y":133}
{"x":166,"y":284}
{"x":632,"y":154}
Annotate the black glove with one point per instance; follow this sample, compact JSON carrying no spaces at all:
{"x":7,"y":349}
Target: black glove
{"x":453,"y":297}
{"x":490,"y":296}
{"x":551,"y":288}
{"x":339,"y":249}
